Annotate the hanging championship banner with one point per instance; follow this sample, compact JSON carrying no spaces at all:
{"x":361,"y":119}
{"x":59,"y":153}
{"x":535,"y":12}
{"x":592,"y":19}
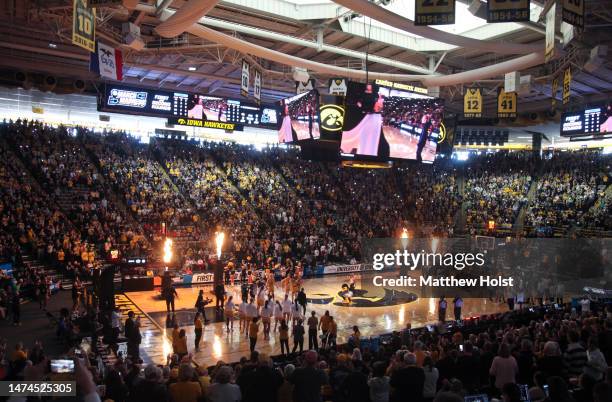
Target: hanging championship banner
{"x":551,"y":29}
{"x":257,"y":87}
{"x":506,"y":104}
{"x":337,"y":86}
{"x":301,"y":87}
{"x":434,"y":12}
{"x":246,"y":78}
{"x":507,"y":11}
{"x":84,"y":25}
{"x":573,"y":12}
{"x":554,"y":89}
{"x":472,"y":103}
{"x":567,"y":81}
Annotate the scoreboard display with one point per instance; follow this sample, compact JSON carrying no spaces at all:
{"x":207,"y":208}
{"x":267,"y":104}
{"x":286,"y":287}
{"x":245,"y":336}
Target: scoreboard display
{"x":185,"y":108}
{"x":591,"y":121}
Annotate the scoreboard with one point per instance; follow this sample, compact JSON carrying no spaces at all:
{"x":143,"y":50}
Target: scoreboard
{"x":594,"y":121}
{"x":186,"y":108}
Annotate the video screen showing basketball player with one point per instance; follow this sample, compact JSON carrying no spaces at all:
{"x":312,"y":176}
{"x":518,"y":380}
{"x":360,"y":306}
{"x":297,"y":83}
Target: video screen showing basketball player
{"x":383,"y":123}
{"x":207,"y":108}
{"x":299,"y":118}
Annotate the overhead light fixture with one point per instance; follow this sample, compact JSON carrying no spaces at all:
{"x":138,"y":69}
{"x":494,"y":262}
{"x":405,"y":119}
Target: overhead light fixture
{"x":52,"y":45}
{"x":191,"y":68}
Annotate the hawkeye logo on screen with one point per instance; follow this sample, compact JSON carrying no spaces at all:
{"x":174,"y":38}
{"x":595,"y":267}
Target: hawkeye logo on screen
{"x":332,"y":117}
{"x":204,"y":123}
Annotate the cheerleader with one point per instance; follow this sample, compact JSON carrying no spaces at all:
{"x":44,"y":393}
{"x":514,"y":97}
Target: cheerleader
{"x":287,"y":307}
{"x":270,"y":284}
{"x":242,"y":323}
{"x":229,"y":314}
{"x":251,"y":312}
{"x":266,"y":314}
{"x":261,"y":296}
{"x":296,"y":313}
{"x":278,"y":314}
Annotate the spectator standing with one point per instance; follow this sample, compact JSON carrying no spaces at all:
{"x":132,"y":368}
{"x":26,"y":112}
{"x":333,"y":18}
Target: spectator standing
{"x":504,"y":367}
{"x":431,"y":379}
{"x":408,"y":380}
{"x":379,"y":383}
{"x":575,"y":356}
{"x":308,"y":380}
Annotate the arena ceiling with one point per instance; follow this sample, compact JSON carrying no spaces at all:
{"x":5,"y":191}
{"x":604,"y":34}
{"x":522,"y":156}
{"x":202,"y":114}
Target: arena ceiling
{"x":35,"y":37}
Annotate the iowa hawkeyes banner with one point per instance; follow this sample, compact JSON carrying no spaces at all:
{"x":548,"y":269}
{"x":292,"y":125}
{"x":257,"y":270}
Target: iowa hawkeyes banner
{"x":472,"y":103}
{"x":507,"y":11}
{"x":434,"y":12}
{"x":84,"y":25}
{"x":337,"y":86}
{"x":332,"y":117}
{"x":302,"y":87}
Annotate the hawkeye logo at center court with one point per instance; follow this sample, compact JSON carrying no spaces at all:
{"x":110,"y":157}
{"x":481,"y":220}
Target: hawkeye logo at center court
{"x":332,"y":117}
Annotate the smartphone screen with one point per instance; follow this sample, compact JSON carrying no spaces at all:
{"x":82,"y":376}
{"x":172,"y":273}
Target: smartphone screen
{"x":62,"y":366}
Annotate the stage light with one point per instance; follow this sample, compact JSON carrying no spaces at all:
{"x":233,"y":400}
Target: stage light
{"x":192,"y":69}
{"x":219,"y":237}
{"x":167,"y":250}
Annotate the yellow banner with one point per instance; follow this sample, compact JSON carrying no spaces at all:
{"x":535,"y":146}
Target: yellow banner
{"x":506,"y":104}
{"x":567,"y":81}
{"x":84,"y":25}
{"x":472,"y":103}
{"x":554,"y":89}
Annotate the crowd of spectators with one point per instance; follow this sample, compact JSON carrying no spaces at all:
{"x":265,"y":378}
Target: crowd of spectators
{"x":567,"y":189}
{"x":496,"y":188}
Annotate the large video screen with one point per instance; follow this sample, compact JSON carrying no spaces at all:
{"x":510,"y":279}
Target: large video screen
{"x":299,"y":118}
{"x":184,"y":105}
{"x":382,"y":123}
{"x":590,"y":121}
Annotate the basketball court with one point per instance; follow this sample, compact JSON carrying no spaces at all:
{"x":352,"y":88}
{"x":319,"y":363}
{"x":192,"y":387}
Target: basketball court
{"x":375,"y":315}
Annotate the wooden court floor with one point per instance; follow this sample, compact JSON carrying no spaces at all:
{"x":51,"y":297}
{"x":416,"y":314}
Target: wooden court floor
{"x":217,"y":344}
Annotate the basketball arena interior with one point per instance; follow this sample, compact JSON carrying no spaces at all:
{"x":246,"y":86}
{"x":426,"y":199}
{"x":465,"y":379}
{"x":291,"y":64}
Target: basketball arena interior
{"x":306,"y":200}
